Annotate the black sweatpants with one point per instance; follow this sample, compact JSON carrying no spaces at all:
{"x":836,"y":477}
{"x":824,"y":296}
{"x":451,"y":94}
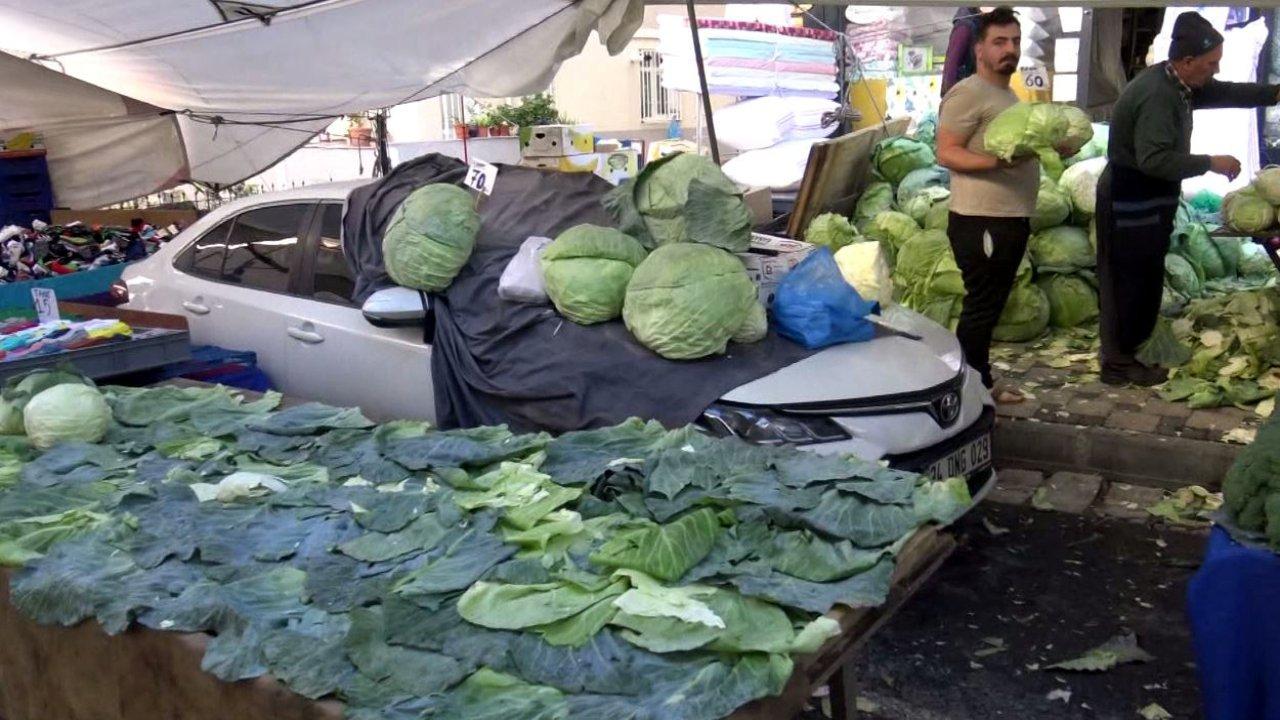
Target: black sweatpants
{"x":1134,"y":226}
{"x":988,"y":251}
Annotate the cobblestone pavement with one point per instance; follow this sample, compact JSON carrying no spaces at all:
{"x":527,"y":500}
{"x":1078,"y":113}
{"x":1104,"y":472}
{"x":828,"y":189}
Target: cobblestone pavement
{"x":1070,"y":393}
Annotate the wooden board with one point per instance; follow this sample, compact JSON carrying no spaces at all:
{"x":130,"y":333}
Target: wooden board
{"x":837,"y":172}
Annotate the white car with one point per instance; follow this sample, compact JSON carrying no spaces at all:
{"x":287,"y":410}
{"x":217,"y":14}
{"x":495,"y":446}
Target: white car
{"x":268,"y":274}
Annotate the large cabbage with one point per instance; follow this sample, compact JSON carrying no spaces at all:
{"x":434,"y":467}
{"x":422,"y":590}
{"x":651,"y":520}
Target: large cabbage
{"x":933,"y":179}
{"x":18,"y":391}
{"x":1182,"y":276}
{"x":892,"y":229}
{"x":1061,"y":249}
{"x":1248,"y":212}
{"x":1194,"y":243}
{"x":1032,"y":129}
{"x":682,"y":198}
{"x":1053,"y":206}
{"x":1072,"y":300}
{"x":686,"y":300}
{"x":830,"y":230}
{"x":927,"y":279}
{"x":755,"y":327}
{"x":918,"y":207}
{"x":1079,"y":130}
{"x":1025,"y":316}
{"x":877,"y":198}
{"x":1267,"y":184}
{"x":1095,"y":148}
{"x":70,"y":412}
{"x":865,"y":267}
{"x":1255,"y":264}
{"x":927,"y":129}
{"x":896,"y":157}
{"x":1081,"y":183}
{"x":939,"y":216}
{"x":430,"y":237}
{"x":586,"y":271}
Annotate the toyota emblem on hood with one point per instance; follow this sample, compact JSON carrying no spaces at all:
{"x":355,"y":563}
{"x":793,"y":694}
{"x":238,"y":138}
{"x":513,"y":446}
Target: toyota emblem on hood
{"x":948,"y":408}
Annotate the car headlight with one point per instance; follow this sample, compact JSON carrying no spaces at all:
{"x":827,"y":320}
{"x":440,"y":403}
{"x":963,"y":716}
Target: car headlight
{"x":762,"y":427}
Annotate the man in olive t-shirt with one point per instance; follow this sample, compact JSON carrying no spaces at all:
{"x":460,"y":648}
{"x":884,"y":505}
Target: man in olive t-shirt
{"x":992,"y":201}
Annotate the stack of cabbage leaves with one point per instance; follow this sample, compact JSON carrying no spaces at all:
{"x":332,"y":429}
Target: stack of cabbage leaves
{"x":630,"y":571}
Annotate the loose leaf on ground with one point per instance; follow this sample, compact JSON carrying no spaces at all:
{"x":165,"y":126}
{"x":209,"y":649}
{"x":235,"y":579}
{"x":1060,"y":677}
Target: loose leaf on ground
{"x":1118,"y":650}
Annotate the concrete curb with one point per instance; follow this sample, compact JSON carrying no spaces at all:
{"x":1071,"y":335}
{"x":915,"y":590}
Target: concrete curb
{"x":1118,"y":455}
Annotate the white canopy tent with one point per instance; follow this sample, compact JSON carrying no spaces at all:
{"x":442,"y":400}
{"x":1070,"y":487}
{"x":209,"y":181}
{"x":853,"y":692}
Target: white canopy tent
{"x":134,"y":96}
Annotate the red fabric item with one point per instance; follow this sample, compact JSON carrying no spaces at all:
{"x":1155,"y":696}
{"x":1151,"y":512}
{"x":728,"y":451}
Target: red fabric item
{"x":59,"y":269}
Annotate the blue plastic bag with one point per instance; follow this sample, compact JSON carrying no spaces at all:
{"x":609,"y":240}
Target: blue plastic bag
{"x":815,"y":307}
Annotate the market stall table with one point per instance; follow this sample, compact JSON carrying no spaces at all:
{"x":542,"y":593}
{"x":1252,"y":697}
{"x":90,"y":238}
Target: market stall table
{"x":81,"y":673}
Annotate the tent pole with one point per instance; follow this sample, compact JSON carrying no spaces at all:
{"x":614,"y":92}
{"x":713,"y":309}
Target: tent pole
{"x":702,"y":82}
{"x":382,"y":163}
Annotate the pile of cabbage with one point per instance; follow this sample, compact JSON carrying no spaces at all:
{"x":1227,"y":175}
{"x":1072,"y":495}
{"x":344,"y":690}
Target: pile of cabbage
{"x":1252,"y":209}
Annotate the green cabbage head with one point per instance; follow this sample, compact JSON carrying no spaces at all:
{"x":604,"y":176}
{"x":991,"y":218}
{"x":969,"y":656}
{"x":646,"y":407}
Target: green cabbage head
{"x":877,"y":198}
{"x":893,"y":227}
{"x":831,"y":230}
{"x":430,"y":237}
{"x":1079,"y":129}
{"x":1030,"y":129}
{"x":933,"y":179}
{"x":895,"y":157}
{"x":1080,"y":181}
{"x":938,"y":216}
{"x":1254,"y":262}
{"x":927,"y":278}
{"x":1025,"y":316}
{"x":1062,"y":249}
{"x":682,"y":198}
{"x":1053,"y":206}
{"x":1193,"y":243}
{"x":755,"y":327}
{"x":586,"y":271}
{"x":1182,"y":276}
{"x":66,"y":413}
{"x":1247,"y":211}
{"x":686,"y":300}
{"x":1267,"y":184}
{"x":1072,"y":300}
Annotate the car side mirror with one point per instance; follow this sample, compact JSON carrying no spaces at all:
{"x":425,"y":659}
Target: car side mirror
{"x":396,"y":307}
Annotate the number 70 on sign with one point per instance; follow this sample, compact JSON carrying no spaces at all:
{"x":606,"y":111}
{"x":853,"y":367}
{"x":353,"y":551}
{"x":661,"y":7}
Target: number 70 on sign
{"x":481,"y":176}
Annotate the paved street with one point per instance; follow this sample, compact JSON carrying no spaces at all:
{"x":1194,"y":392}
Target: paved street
{"x":1028,"y":588}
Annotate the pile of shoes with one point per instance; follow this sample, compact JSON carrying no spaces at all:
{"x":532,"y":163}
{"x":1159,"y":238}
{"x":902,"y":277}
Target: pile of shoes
{"x":45,"y":250}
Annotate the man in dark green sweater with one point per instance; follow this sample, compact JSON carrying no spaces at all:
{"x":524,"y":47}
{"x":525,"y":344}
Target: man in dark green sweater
{"x":1149,"y":155}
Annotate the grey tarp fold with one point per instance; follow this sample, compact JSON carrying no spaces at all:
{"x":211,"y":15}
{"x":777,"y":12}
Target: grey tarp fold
{"x":496,"y":362}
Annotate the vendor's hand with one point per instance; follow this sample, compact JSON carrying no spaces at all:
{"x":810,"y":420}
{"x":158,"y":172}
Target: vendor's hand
{"x":1225,"y":165}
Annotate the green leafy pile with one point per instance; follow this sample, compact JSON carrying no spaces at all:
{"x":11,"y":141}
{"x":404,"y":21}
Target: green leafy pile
{"x":1234,"y":344}
{"x":629,"y":571}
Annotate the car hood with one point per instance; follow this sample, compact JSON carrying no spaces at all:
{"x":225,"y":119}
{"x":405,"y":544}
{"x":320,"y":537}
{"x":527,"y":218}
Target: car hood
{"x":910,"y":353}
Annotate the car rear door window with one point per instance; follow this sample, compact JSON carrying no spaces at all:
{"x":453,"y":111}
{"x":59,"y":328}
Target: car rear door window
{"x":262,"y":247}
{"x":331,"y":276}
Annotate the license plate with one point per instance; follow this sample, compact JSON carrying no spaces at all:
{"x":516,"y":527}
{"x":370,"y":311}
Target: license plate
{"x":963,"y":462}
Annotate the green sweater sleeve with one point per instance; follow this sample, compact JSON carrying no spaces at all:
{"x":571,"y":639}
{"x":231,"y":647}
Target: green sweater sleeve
{"x":1156,"y":147}
{"x":1217,"y":94}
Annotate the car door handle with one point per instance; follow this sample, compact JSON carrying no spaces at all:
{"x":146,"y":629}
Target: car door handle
{"x":195,"y":308}
{"x":309,"y":337}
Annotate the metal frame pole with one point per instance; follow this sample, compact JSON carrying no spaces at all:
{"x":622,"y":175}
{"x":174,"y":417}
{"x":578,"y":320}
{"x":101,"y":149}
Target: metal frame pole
{"x":702,"y":82}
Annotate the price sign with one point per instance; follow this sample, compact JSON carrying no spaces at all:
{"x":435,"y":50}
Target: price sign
{"x":1035,"y":77}
{"x":46,"y":302}
{"x":481,"y":176}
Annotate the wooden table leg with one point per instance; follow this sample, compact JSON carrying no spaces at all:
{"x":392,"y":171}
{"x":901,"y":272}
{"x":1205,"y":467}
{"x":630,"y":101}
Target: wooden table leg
{"x":844,"y":692}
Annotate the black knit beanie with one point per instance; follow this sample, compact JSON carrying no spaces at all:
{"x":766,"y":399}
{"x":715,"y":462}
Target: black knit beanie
{"x":1193,"y":36}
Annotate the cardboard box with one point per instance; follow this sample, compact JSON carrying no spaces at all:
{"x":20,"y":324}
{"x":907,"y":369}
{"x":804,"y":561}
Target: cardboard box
{"x":557,"y":140}
{"x":770,"y":259}
{"x":576,"y":163}
{"x":619,"y":165}
{"x":760,"y":203}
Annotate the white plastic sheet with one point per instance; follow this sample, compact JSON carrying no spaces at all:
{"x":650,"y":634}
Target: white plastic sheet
{"x":249,"y":88}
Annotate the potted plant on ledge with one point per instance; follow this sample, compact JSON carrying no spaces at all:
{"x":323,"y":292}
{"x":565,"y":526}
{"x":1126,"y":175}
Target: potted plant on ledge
{"x":359,"y":130}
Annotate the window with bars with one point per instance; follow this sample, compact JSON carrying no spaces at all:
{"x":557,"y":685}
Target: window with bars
{"x":657,"y":104}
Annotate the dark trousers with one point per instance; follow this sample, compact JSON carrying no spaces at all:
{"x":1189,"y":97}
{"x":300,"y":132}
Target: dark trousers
{"x":988,"y":278}
{"x":1133,"y":238}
